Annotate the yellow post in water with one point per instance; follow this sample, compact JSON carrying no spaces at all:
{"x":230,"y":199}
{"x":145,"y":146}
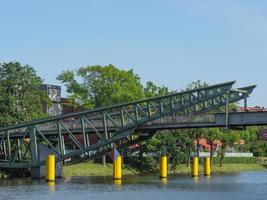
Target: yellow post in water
{"x":207,"y":166}
{"x":117,"y":174}
{"x":163,"y":167}
{"x":50,"y":168}
{"x":194,"y":167}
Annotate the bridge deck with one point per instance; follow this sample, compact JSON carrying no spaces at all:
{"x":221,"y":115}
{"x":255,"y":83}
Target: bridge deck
{"x":235,"y":119}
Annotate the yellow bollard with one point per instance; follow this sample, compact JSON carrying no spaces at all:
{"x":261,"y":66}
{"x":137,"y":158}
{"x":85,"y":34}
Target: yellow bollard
{"x":194,"y":167}
{"x":163,"y":167}
{"x":117,"y":174}
{"x":207,"y":166}
{"x":50,"y":168}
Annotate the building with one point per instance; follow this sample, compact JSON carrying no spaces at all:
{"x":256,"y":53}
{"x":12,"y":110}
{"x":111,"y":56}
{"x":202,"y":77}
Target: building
{"x":252,"y":109}
{"x":54,"y":93}
{"x":205,"y":144}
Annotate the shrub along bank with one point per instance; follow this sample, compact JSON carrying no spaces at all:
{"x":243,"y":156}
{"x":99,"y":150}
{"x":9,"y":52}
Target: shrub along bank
{"x":230,"y":165}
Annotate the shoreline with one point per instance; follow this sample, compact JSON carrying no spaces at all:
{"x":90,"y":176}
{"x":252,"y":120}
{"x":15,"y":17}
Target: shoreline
{"x":95,"y":169}
{"x":98,"y":170}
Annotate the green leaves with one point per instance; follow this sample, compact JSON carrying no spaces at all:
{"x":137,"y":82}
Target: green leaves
{"x":211,"y":134}
{"x":151,"y":90}
{"x":101,"y":85}
{"x":20,"y":99}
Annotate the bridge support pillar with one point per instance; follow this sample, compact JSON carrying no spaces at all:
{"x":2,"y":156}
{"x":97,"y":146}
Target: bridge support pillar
{"x":163,"y":167}
{"x":39,"y":172}
{"x":117,"y":172}
{"x":207,"y":167}
{"x":194,"y":167}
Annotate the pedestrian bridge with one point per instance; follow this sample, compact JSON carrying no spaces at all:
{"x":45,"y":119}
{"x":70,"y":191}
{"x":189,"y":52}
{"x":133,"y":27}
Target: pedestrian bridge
{"x":122,"y":125}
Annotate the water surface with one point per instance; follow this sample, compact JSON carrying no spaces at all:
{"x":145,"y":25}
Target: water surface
{"x":247,"y":185}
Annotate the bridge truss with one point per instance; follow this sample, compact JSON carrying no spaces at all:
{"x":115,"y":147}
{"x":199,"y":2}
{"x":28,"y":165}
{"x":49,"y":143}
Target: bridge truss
{"x":112,"y":125}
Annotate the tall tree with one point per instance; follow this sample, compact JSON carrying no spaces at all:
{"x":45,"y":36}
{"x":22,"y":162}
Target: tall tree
{"x":211,"y":134}
{"x":95,"y":86}
{"x":186,"y":140}
{"x":227,"y":138}
{"x":151,"y":90}
{"x":21,"y":98}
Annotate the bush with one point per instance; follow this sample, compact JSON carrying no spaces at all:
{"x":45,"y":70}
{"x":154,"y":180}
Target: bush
{"x":147,"y":165}
{"x":233,"y":160}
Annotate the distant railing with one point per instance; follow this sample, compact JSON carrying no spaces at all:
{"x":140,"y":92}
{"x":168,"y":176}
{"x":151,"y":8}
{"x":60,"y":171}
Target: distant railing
{"x":227,"y":154}
{"x":75,"y":123}
{"x":186,"y":119}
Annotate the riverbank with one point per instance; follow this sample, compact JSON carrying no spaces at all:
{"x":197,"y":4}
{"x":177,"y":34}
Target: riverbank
{"x":226,"y":168}
{"x":94,"y":169}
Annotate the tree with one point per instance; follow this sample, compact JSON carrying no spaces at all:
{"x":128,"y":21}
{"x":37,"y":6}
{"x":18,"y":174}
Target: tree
{"x":21,"y":98}
{"x":151,"y":90}
{"x":211,"y":134}
{"x":227,"y":138}
{"x":186,"y":141}
{"x":196,"y":84}
{"x":101,"y":85}
{"x":252,"y":140}
{"x":171,"y":143}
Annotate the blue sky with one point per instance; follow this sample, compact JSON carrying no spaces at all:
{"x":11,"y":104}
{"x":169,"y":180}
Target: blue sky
{"x":170,"y":42}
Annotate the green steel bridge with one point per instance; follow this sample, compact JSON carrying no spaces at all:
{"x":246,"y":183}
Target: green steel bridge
{"x":122,"y":125}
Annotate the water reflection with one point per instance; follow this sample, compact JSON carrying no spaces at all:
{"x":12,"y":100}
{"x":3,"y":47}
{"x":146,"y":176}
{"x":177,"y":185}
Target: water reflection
{"x":207,"y":179}
{"x":117,"y":184}
{"x":52,"y":186}
{"x":195,"y":179}
{"x":164,"y":181}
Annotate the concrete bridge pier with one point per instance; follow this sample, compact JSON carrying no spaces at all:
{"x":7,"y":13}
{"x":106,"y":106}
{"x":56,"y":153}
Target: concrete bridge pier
{"x":40,"y":172}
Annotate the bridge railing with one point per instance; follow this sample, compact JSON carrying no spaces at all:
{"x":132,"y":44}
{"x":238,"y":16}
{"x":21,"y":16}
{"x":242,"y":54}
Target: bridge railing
{"x":226,"y":154}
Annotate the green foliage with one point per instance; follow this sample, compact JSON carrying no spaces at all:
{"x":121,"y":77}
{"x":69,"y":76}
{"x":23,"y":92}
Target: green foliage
{"x":101,"y":85}
{"x":151,"y":90}
{"x":177,"y":145}
{"x":232,"y":160}
{"x":211,"y":134}
{"x":168,"y":143}
{"x":196,"y":84}
{"x":227,"y":138}
{"x":20,"y":99}
{"x":258,"y":148}
{"x":253,"y":144}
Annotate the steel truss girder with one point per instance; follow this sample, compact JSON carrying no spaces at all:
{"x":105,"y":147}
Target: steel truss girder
{"x":126,"y":118}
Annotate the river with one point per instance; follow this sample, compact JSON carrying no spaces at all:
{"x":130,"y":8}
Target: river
{"x":246,"y":185}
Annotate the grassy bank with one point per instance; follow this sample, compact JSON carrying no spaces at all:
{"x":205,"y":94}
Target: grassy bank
{"x":226,"y":168}
{"x":94,"y":169}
